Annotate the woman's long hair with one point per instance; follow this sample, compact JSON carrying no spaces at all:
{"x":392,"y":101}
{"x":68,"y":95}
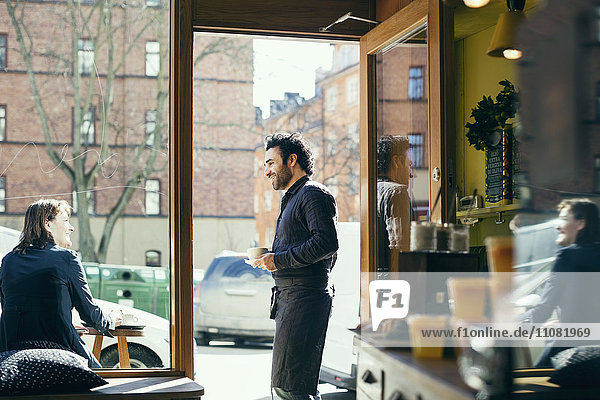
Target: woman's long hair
{"x":34,"y":231}
{"x":586,"y":210}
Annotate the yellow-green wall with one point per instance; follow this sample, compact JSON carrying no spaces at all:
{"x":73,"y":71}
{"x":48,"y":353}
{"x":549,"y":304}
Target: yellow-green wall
{"x":477,"y":74}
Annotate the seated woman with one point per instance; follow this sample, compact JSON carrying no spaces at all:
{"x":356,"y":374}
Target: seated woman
{"x":41,"y":281}
{"x":572,"y":289}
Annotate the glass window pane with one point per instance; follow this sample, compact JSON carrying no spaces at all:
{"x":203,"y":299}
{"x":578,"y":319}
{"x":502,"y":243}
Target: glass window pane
{"x":403,"y":195}
{"x":88,"y":64}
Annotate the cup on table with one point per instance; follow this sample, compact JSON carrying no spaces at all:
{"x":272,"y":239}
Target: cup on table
{"x":499,"y":253}
{"x":426,"y":347}
{"x":422,"y":236}
{"x":500,"y":261}
{"x":128,"y":319}
{"x":467,"y":298}
{"x":254,"y":252}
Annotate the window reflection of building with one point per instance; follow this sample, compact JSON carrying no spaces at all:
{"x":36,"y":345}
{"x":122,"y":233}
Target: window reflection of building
{"x":87,"y":128}
{"x":416,"y":149}
{"x":2,"y":51}
{"x":415,"y":83}
{"x":91,"y":202}
{"x":152,"y":197}
{"x":150,"y":126}
{"x":2,"y":194}
{"x":152,"y":58}
{"x":2,"y":122}
{"x":85,"y":56}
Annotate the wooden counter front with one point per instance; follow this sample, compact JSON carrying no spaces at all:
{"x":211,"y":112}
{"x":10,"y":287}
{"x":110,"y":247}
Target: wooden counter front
{"x":393,"y":374}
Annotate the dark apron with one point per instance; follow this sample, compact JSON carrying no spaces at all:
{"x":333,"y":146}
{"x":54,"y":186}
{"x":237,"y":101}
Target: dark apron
{"x":301,"y":311}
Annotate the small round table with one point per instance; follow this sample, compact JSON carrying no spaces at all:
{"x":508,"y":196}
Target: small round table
{"x":121,"y":335}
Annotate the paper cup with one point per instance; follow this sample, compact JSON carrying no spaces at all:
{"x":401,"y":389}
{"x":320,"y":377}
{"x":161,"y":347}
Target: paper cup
{"x":254,"y":252}
{"x":427,"y":347}
{"x":467,"y":298}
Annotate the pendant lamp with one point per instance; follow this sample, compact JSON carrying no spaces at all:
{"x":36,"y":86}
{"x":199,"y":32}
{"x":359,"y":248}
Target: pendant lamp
{"x":502,"y":44}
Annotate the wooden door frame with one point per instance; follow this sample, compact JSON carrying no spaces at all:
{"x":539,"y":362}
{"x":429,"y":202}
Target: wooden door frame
{"x":440,"y":44}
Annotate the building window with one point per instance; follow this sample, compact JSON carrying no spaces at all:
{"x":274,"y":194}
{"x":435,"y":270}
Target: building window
{"x":2,"y":194}
{"x":152,"y":197}
{"x":331,"y":98}
{"x":152,"y":58}
{"x":87,"y":129}
{"x":153,"y":258}
{"x":85,"y":54}
{"x":90,"y":198}
{"x":415,"y":83}
{"x":150,"y":127}
{"x":416,"y":149}
{"x":2,"y":122}
{"x":352,"y":90}
{"x":3,"y":51}
{"x":268,"y":201}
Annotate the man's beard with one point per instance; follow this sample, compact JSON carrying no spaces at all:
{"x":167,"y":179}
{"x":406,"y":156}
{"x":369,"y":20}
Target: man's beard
{"x":282,"y":178}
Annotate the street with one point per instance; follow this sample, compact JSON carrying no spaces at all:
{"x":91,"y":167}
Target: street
{"x":230,"y":372}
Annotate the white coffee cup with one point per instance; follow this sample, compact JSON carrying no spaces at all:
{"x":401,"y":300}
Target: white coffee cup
{"x":129,"y":319}
{"x":254,"y":252}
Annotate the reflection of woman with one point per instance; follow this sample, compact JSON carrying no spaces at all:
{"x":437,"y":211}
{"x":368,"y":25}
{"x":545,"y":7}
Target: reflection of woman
{"x":572,"y":293}
{"x":41,"y":281}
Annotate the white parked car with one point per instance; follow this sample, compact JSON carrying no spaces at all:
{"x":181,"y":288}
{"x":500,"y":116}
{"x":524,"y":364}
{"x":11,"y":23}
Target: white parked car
{"x":339,"y":357}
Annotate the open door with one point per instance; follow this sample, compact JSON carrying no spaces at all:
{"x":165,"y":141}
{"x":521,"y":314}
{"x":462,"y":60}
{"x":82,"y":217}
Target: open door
{"x":404,"y":75}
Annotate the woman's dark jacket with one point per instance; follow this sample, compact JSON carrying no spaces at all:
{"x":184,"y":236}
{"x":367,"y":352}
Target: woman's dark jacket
{"x":38,"y":290}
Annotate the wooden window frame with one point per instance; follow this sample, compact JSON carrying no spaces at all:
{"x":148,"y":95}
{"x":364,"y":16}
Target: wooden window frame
{"x":440,"y":48}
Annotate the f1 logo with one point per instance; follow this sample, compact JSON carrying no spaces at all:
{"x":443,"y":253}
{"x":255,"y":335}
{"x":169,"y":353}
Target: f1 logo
{"x":389,"y":299}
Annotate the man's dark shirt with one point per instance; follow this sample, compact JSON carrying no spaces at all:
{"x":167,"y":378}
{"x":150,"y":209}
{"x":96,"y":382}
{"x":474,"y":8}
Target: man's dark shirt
{"x":306,"y":241}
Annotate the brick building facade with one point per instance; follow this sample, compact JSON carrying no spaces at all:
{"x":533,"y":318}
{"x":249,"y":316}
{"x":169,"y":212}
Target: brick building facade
{"x":122,"y":121}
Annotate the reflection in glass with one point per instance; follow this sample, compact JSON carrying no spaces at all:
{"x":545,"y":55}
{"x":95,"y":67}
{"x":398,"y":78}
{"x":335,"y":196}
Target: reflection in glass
{"x":79,"y":135}
{"x":402,"y":142}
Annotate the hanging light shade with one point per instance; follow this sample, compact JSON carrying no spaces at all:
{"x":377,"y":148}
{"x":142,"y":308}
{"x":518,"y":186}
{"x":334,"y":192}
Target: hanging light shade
{"x":502,"y":44}
{"x":475,"y":3}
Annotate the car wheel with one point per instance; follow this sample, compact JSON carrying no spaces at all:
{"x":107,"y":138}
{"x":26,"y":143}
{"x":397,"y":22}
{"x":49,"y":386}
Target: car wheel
{"x":139,"y":357}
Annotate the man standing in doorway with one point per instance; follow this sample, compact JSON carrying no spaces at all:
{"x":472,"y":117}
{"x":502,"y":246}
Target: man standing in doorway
{"x":303,"y":253}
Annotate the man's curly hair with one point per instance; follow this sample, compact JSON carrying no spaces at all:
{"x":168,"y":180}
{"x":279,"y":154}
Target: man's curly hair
{"x":292,"y":143}
{"x":387,"y":146}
